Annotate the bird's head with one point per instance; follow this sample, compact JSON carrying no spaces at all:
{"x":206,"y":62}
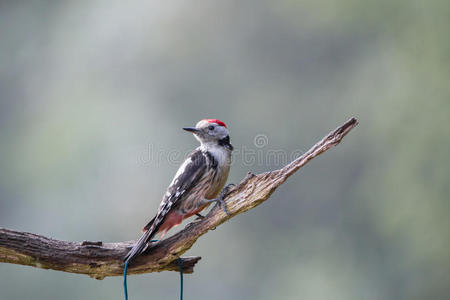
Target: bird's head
{"x":210,"y":131}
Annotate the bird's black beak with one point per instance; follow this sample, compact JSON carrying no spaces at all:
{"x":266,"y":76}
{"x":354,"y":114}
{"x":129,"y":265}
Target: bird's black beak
{"x":191,"y":129}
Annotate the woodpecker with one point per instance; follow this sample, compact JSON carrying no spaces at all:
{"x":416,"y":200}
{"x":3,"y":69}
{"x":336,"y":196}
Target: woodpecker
{"x":197,"y":183}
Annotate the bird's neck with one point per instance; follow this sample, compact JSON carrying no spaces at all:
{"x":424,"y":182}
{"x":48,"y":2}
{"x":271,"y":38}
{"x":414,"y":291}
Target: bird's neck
{"x":221,"y":153}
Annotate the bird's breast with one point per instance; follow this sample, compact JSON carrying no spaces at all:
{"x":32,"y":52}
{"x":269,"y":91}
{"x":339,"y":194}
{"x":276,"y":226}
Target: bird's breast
{"x":218,"y":180}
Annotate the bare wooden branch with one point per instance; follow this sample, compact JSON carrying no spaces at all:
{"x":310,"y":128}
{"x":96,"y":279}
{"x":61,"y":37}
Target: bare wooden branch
{"x":95,"y":259}
{"x":99,"y":260}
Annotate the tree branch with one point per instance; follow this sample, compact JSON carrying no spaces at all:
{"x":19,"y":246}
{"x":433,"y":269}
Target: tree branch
{"x":99,"y":260}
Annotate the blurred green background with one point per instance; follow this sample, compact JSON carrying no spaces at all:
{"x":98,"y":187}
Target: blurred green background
{"x":93,"y":95}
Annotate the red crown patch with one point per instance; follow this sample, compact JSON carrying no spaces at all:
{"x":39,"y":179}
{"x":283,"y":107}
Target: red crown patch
{"x":216,"y":121}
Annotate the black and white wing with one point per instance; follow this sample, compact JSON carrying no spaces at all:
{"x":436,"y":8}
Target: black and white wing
{"x":188,"y":175}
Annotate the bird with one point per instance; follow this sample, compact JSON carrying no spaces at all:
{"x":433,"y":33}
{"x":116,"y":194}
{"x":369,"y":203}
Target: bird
{"x":199,"y":181}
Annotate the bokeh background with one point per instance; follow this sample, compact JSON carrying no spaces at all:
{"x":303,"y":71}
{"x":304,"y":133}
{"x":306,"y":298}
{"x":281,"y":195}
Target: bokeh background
{"x":93,"y":95}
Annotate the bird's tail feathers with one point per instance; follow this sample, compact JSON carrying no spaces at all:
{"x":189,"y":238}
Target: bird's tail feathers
{"x":140,"y":246}
{"x":149,"y":225}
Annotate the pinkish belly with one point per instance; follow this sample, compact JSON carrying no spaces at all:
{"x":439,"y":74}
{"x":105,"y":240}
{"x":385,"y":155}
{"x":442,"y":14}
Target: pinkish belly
{"x":173,"y":219}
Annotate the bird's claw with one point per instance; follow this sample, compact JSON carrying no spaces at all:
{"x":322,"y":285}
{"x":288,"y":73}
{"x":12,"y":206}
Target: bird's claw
{"x":199,"y":217}
{"x":225,"y":190}
{"x":220,"y":200}
{"x":221,"y":203}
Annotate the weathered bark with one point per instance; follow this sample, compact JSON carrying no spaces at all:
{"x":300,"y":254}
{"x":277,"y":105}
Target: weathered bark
{"x":95,"y":259}
{"x":99,"y":260}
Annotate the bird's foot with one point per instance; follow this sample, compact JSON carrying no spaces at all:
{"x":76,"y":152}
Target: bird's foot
{"x":220,"y":200}
{"x":199,"y":217}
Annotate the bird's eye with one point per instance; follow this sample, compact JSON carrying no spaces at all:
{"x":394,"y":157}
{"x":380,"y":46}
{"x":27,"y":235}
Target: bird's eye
{"x":211,"y":127}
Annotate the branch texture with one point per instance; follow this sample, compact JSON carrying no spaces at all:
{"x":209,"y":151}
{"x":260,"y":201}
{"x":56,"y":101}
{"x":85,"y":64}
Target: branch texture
{"x":99,"y":260}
